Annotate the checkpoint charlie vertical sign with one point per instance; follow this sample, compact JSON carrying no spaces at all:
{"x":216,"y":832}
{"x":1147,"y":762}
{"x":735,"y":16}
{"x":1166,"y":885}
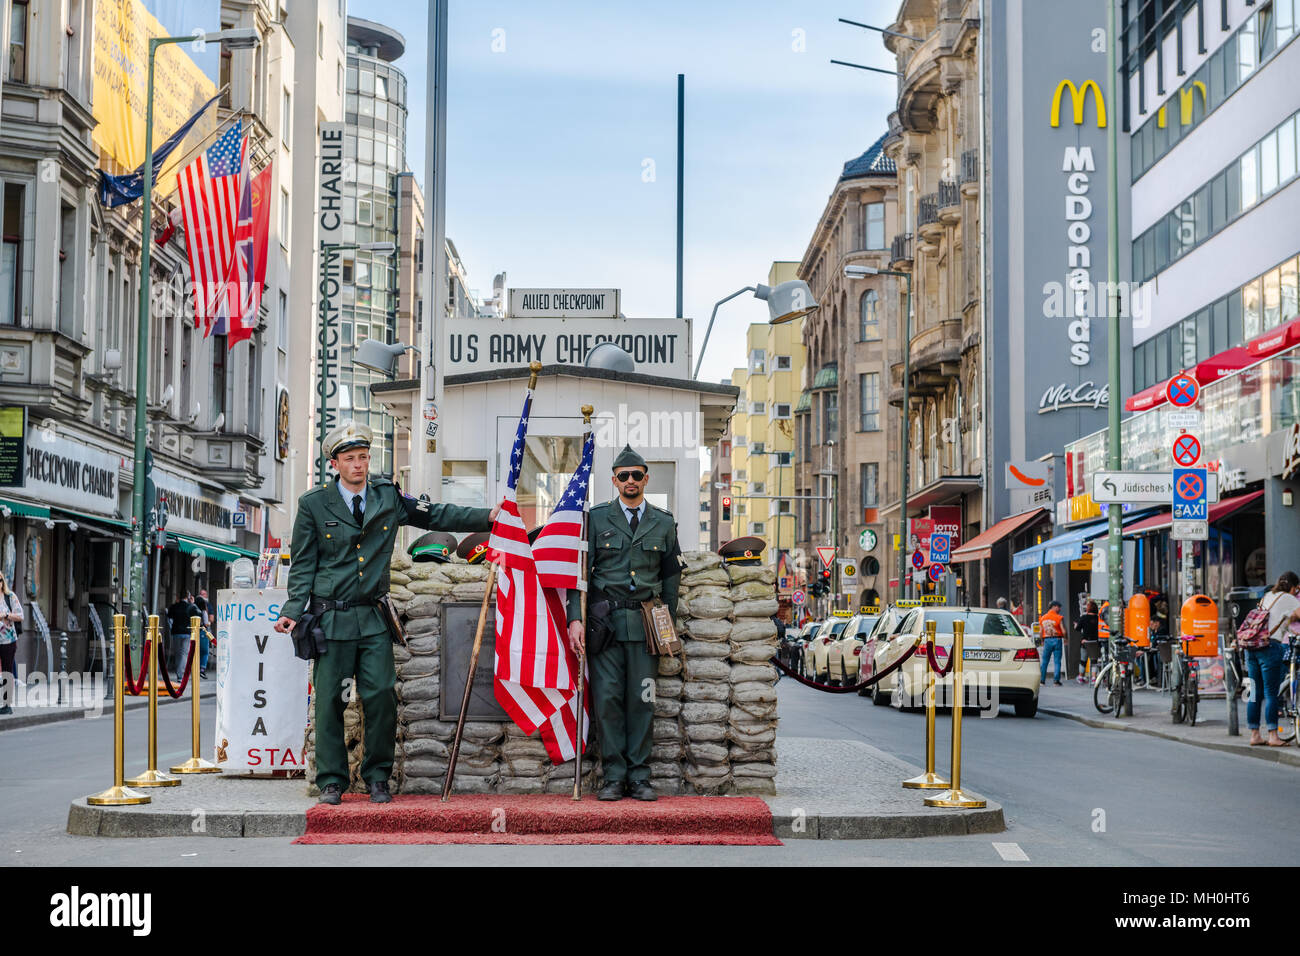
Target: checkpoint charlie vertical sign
{"x":261,"y":686}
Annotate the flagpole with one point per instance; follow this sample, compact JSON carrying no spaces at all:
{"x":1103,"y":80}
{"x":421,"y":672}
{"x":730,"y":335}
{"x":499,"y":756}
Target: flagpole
{"x":533,"y":369}
{"x":582,"y":602}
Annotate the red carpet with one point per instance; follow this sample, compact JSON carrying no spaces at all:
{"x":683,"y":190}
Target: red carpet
{"x":542,"y":819}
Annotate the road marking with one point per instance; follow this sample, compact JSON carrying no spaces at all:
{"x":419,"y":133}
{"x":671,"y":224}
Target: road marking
{"x":1011,"y":852}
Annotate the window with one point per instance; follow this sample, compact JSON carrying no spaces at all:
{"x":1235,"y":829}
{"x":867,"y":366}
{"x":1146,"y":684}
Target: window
{"x":758,"y":448}
{"x":286,"y":120}
{"x":783,"y":363}
{"x":869,"y":483}
{"x":781,"y":410}
{"x":873,"y":225}
{"x":284,"y":218}
{"x":320,"y":40}
{"x":758,"y":408}
{"x":282,"y":323}
{"x":868,"y":316}
{"x":11,"y":256}
{"x":869,"y":401}
{"x":18,"y":42}
{"x":757,"y":362}
{"x":758,"y":487}
{"x":219,"y":352}
{"x":741,"y":474}
{"x":757,"y":527}
{"x":66,"y":307}
{"x":465,"y":483}
{"x":831,"y":415}
{"x":742,"y":441}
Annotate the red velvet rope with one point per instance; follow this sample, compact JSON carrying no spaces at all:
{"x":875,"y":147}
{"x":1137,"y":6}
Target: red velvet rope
{"x":826,"y":688}
{"x":934,"y":665}
{"x":137,"y":684}
{"x":167,"y":681}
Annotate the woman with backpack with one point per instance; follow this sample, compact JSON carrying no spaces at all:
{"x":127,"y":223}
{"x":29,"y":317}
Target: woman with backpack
{"x":11,"y":612}
{"x":1262,"y":636}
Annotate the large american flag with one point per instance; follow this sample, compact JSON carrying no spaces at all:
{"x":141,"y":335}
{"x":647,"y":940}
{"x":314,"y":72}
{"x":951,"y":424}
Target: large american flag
{"x":536,"y":674}
{"x":209,"y":189}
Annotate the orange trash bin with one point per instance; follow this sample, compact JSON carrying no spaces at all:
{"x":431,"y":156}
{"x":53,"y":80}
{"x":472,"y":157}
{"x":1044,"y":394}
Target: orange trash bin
{"x":1200,"y":621}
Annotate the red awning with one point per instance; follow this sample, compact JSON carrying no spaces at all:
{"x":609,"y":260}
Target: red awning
{"x":1276,"y":340}
{"x":981,"y":546}
{"x":1149,"y":397}
{"x":1224,"y":509}
{"x":1225,"y":363}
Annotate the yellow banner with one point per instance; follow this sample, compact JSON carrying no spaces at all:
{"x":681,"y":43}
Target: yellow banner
{"x":121,"y":60}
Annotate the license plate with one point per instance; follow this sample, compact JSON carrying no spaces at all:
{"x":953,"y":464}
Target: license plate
{"x":973,"y":655}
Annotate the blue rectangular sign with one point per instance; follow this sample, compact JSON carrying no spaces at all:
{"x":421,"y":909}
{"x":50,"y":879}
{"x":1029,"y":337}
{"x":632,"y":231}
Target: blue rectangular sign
{"x":1191,"y":490}
{"x":940,"y":547}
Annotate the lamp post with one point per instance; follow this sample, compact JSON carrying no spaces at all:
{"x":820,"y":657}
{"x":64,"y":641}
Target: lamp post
{"x":860,"y":272}
{"x":785,"y":302}
{"x":241,"y":39}
{"x":1114,"y":537}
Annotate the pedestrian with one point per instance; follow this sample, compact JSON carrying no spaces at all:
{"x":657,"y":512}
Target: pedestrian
{"x":1002,"y":604}
{"x":1017,"y":609}
{"x":205,"y":629}
{"x":1052,"y":627}
{"x":1086,"y":628}
{"x":343,"y":538}
{"x":1265,"y":664}
{"x":178,"y":617}
{"x":11,"y":613}
{"x":632,"y":556}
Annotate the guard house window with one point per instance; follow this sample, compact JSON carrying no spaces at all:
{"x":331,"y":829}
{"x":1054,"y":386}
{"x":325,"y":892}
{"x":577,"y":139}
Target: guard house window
{"x":869,"y":316}
{"x":873,"y":225}
{"x":18,"y":42}
{"x":11,"y":256}
{"x":869,"y":482}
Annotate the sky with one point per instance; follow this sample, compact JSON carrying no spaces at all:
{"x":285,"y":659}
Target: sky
{"x":562,"y":139}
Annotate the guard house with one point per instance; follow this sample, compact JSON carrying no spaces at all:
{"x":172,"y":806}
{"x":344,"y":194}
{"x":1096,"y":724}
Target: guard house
{"x":635,"y":372}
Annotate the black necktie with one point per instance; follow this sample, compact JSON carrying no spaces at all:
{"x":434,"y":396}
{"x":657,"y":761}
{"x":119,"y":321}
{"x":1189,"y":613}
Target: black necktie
{"x":356,"y":509}
{"x":635,"y":520}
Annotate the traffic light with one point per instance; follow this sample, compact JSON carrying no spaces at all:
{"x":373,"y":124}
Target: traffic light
{"x":726,"y":508}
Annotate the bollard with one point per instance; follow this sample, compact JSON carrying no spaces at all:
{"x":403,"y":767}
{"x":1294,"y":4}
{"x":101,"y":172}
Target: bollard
{"x":955,"y":797}
{"x":195,"y":764}
{"x":153,"y":777}
{"x":928,"y":780}
{"x":118,"y":795}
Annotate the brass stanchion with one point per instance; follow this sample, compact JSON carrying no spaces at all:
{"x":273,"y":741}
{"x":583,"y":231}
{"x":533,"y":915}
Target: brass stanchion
{"x":928,"y":780}
{"x":195,"y":764}
{"x":118,"y":795}
{"x":954,"y":797}
{"x":153,"y":777}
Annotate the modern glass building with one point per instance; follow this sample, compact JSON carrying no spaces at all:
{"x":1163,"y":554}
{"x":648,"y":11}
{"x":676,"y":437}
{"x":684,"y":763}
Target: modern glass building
{"x":375,"y":113}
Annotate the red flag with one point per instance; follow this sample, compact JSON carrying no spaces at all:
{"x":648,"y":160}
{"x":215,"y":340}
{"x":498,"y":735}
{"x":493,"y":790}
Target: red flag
{"x":248,"y":269}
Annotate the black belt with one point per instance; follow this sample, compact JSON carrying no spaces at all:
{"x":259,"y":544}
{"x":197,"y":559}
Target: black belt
{"x":628,"y":605}
{"x":320,"y":605}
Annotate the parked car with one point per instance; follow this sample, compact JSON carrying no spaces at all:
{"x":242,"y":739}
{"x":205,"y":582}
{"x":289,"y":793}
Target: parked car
{"x":1000,"y":660}
{"x":877,"y":653}
{"x":816,"y":657}
{"x":842,"y":660}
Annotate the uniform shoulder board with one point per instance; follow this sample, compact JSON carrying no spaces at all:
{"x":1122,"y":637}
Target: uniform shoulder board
{"x":662,"y":511}
{"x":317,"y":489}
{"x":385,"y":480}
{"x":602,"y":506}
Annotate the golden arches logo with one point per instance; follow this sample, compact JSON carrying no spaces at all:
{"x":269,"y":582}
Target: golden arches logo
{"x":1078,"y":94}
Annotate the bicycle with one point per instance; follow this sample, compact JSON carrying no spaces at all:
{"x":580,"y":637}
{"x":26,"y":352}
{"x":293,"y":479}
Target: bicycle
{"x":1288,"y":713}
{"x":1187,"y":689}
{"x":1114,"y":682}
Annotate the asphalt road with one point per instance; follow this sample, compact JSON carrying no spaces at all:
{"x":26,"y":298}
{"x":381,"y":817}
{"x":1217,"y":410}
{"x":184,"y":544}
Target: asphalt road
{"x":1072,"y":795}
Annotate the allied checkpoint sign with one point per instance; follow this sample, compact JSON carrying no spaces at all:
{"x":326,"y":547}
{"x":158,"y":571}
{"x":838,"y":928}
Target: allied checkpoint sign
{"x":261,"y":686}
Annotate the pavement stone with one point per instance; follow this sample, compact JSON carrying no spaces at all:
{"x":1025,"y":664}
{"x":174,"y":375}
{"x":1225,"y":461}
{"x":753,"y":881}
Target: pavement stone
{"x":828,"y":789}
{"x":1073,"y":701}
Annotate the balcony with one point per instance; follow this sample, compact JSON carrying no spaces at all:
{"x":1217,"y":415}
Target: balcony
{"x":970,"y":173}
{"x":232,"y":458}
{"x":935,"y":362}
{"x":949,"y":203}
{"x":900,"y":255}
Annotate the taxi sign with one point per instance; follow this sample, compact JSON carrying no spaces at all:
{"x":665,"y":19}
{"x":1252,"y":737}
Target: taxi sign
{"x":907,"y":602}
{"x":940,"y":548}
{"x":1190,"y":500}
{"x":838,"y":613}
{"x":933,"y":599}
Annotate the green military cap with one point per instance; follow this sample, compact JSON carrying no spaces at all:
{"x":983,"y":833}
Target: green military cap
{"x":742,"y":551}
{"x":434,"y":546}
{"x":473,"y":547}
{"x":628,"y":458}
{"x":348,"y":435}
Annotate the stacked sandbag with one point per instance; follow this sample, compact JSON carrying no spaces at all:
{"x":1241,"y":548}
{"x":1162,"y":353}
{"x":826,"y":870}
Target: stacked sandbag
{"x":751,"y":718}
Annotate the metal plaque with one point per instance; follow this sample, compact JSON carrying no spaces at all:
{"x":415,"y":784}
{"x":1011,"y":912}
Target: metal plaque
{"x":459,"y":621}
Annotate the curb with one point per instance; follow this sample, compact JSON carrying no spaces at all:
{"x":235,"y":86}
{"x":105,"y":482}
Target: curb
{"x":19,"y":721}
{"x":1279,"y":755}
{"x":85,"y":820}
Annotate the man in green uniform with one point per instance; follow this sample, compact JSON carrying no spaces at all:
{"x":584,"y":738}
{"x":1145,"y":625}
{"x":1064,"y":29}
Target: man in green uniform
{"x":343,"y":538}
{"x":632,"y":556}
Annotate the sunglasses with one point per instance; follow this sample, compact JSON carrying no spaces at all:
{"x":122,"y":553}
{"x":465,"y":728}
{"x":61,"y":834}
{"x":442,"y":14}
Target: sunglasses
{"x":630,"y":475}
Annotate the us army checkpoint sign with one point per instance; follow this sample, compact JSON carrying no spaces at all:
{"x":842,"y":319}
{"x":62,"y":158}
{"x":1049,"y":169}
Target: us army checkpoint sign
{"x":261,"y":685}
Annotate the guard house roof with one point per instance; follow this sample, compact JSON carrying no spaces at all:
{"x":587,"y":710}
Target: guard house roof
{"x":716,"y":401}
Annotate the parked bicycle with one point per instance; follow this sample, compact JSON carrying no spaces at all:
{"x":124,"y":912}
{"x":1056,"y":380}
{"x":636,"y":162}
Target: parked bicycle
{"x":1288,"y":710}
{"x":1114,"y":682}
{"x":1187,"y":686}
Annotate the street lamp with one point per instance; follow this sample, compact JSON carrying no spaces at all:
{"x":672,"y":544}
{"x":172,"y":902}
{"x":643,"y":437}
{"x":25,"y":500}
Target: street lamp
{"x":378,"y":357}
{"x":240,"y":39}
{"x":785,"y":302}
{"x":861,"y":272}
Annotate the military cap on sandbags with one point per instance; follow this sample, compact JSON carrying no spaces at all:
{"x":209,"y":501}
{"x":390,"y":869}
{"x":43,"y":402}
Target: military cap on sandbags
{"x":628,"y":458}
{"x":473,"y":547}
{"x":347,"y":436}
{"x":743,"y":551}
{"x":434,"y":546}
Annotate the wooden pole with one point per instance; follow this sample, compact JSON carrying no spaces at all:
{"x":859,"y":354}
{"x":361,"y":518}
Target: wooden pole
{"x":582,"y":648}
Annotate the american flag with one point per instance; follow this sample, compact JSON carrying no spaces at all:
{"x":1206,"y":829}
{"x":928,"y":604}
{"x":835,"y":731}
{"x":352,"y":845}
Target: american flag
{"x":536,"y":674}
{"x":561,"y":546}
{"x":209,"y":189}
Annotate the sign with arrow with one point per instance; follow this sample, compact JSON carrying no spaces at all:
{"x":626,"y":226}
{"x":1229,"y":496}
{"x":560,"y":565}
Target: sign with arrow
{"x":1142,"y":487}
{"x":1183,"y":391}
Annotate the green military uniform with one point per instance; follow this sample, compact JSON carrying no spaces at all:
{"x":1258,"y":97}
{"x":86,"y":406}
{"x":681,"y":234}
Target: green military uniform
{"x":336,"y":560}
{"x":627,"y":566}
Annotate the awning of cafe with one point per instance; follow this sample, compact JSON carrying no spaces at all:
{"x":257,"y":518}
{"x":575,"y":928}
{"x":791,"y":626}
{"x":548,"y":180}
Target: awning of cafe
{"x":1275,"y":340}
{"x":1223,"y":509}
{"x":980,"y":547}
{"x":1149,"y":397}
{"x":210,"y":549}
{"x":1225,"y":363}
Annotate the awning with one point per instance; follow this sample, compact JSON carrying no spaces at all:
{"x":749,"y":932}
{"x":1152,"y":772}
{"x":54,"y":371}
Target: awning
{"x":1149,"y":397}
{"x":981,"y":546}
{"x":1225,"y":363}
{"x":1275,"y":340}
{"x":1065,"y":546}
{"x":1219,"y":511}
{"x":946,"y":490}
{"x":23,"y":509}
{"x":109,"y":525}
{"x":210,"y":549}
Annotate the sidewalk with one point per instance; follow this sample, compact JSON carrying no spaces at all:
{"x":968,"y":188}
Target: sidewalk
{"x":26,"y":716}
{"x":1151,"y":716}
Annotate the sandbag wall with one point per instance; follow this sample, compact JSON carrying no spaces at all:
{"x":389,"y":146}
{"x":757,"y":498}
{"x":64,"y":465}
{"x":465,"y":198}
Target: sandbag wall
{"x":715,"y":709}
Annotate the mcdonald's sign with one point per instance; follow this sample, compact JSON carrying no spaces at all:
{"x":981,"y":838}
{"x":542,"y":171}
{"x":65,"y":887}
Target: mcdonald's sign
{"x":1186,"y":100}
{"x":1077,"y":96}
